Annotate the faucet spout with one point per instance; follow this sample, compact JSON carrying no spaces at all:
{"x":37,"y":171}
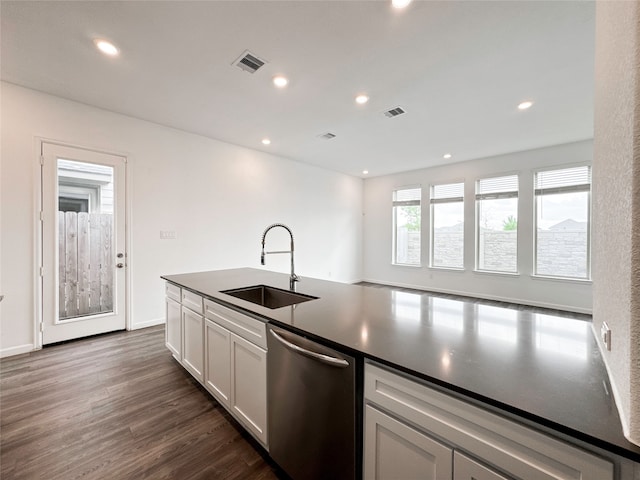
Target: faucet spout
{"x":293,"y":277}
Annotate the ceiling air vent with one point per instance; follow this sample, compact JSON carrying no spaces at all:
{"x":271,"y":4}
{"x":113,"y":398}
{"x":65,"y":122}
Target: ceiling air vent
{"x":249,"y":62}
{"x":394,"y":112}
{"x":327,"y":136}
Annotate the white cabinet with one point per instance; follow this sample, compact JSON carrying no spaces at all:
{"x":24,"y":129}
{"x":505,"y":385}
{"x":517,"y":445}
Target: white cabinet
{"x":249,"y":385}
{"x":193,"y":343}
{"x":173,"y":328}
{"x":465,"y":468}
{"x":192,"y":301}
{"x":242,"y":325}
{"x":236,"y":366}
{"x":184,"y":328}
{"x":224,"y":350}
{"x":513,"y":449}
{"x":394,"y":450}
{"x":217,"y":372}
{"x":193,"y":334}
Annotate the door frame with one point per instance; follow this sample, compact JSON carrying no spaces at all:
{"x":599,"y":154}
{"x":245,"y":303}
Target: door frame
{"x":39,"y":233}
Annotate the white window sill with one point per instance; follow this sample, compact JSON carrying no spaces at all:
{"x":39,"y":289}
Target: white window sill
{"x":447,"y":269}
{"x":405,"y":265}
{"x":546,"y":278}
{"x":497,"y":273}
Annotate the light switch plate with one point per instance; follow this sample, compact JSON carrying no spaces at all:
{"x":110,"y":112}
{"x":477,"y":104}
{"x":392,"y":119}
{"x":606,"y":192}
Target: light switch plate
{"x":167,"y":235}
{"x":605,"y":334}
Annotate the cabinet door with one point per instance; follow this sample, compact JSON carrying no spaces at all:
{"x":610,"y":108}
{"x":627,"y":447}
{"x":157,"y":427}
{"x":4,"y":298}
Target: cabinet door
{"x":249,"y":386}
{"x":172,"y":328}
{"x":217,"y":370}
{"x":465,"y":468}
{"x":394,"y":450}
{"x":512,"y":447}
{"x":193,"y":343}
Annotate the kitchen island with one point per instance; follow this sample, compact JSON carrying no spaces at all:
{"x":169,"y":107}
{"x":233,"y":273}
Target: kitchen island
{"x":538,"y":369}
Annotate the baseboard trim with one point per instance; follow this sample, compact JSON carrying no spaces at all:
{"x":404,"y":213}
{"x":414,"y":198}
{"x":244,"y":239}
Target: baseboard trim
{"x":17,"y":350}
{"x":148,"y":323}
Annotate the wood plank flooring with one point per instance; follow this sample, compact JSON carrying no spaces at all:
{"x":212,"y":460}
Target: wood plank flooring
{"x":117,"y":406}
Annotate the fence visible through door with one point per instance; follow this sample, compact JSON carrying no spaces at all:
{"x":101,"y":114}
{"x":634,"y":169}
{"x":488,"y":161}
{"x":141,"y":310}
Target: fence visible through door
{"x":85,"y":262}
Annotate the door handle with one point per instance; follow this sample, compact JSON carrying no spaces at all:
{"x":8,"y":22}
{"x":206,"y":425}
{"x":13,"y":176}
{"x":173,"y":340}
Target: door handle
{"x":333,"y":361}
{"x":120,"y":265}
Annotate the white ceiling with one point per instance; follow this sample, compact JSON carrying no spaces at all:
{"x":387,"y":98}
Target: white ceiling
{"x":459,"y":69}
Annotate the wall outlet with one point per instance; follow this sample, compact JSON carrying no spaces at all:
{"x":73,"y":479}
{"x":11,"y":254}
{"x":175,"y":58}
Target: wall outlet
{"x":167,"y":235}
{"x":605,"y":334}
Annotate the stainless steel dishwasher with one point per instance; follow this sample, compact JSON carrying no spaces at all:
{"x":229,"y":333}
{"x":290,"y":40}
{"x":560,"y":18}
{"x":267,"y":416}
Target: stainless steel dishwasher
{"x":311,"y":391}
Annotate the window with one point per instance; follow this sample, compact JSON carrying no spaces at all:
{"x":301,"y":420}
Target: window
{"x":406,"y":226}
{"x":563,"y":200}
{"x":447,"y":225}
{"x":497,"y":225}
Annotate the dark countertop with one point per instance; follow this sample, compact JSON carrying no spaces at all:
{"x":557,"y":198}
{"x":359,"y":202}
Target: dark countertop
{"x":543,"y":368}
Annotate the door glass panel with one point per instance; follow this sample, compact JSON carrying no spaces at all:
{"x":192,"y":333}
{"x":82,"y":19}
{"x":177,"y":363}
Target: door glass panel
{"x":85,"y":239}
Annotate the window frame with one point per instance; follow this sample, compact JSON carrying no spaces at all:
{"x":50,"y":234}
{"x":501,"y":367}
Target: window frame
{"x":394,"y":227}
{"x":434,"y":201}
{"x":557,"y":190}
{"x":495,"y":196}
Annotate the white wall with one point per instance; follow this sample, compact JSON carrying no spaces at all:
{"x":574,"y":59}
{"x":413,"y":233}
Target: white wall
{"x":616,"y":201}
{"x":217,"y":197}
{"x":377,"y":267}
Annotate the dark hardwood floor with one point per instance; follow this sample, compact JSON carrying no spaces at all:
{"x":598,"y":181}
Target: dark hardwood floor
{"x":117,"y":406}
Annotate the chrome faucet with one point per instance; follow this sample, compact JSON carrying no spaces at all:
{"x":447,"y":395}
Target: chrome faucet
{"x":293,"y":278}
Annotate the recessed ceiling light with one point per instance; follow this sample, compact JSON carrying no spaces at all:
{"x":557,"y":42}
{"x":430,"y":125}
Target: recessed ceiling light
{"x":525,"y":105}
{"x":400,"y":3}
{"x":446,"y":155}
{"x":266,"y":141}
{"x":362,"y":99}
{"x":365,"y":172}
{"x":280,"y":81}
{"x":107,"y":48}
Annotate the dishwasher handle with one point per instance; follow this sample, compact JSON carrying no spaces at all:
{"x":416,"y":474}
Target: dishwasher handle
{"x":329,"y":360}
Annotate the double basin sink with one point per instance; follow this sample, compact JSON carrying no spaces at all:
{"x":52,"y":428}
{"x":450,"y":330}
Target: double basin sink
{"x":269,"y":297}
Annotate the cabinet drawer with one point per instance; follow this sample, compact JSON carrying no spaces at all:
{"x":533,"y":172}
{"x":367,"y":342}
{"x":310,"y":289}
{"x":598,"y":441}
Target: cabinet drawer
{"x":465,"y":468}
{"x":246,"y":327}
{"x":192,"y":301}
{"x":515,"y":449}
{"x":173,"y":292}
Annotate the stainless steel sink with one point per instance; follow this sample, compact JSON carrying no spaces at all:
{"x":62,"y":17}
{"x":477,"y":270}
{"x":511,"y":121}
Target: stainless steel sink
{"x":269,"y":297}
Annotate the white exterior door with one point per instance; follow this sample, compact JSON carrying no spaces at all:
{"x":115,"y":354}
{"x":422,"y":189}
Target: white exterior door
{"x":83,"y":221}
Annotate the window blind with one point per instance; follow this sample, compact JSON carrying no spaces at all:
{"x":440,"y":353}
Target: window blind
{"x":576,"y":179}
{"x":407,"y":197}
{"x":497,"y":187}
{"x":449,"y":192}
